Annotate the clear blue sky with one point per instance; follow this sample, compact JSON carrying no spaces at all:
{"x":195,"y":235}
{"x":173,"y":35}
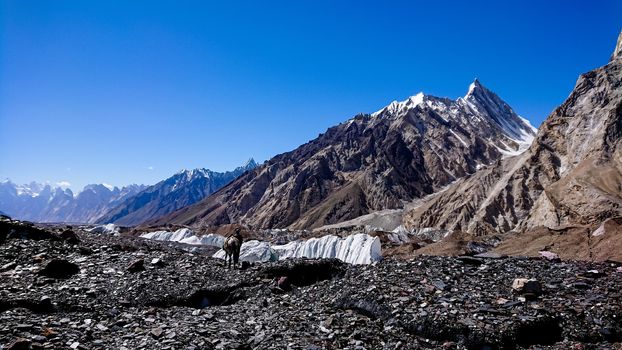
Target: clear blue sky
{"x":132,"y":91}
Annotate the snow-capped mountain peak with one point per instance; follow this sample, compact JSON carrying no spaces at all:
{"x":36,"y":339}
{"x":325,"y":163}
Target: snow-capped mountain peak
{"x":483,"y":102}
{"x":43,"y":202}
{"x":250,"y":164}
{"x":395,"y":107}
{"x":475,"y":85}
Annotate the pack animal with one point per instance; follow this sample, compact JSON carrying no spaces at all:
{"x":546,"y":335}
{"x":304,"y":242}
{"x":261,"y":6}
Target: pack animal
{"x":232,"y":246}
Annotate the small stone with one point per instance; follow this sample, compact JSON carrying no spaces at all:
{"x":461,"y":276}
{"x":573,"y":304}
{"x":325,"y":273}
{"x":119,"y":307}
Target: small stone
{"x":581,"y":285}
{"x":549,"y":256}
{"x":470,"y":260}
{"x":49,"y":332}
{"x":593,"y":274}
{"x":157,"y":262}
{"x":501,"y":301}
{"x":156,"y":332}
{"x":283,"y":283}
{"x":38,"y":338}
{"x":440,"y":285}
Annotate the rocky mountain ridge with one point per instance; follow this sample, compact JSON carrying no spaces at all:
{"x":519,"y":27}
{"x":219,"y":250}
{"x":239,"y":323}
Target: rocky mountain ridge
{"x":180,"y":190}
{"x":405,"y":151}
{"x":571,"y":174}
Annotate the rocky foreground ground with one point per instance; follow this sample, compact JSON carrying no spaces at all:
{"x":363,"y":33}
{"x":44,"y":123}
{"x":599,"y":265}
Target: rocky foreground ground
{"x":60,"y":289}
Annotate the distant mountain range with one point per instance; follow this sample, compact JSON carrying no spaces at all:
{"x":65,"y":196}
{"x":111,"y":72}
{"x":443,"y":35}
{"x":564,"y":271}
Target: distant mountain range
{"x":45,"y":203}
{"x":99,"y":203}
{"x":180,"y":190}
{"x":406,"y":150}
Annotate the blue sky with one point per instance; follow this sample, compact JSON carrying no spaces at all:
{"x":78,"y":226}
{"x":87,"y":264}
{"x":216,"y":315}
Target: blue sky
{"x":132,"y":91}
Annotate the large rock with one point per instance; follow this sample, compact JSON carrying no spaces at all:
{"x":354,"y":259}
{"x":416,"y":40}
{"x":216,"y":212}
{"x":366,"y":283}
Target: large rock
{"x":20,"y":344}
{"x":527,"y":286}
{"x":60,"y":268}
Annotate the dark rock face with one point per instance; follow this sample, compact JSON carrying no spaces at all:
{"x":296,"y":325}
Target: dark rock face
{"x":405,"y":151}
{"x":304,"y":272}
{"x":194,"y":301}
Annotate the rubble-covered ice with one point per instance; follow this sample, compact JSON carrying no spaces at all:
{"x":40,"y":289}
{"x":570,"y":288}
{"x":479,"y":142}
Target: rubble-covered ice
{"x":354,"y":249}
{"x":108,"y":229}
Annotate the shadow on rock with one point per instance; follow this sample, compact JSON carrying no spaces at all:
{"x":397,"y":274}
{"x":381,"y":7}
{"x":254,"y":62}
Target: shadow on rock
{"x":304,"y":272}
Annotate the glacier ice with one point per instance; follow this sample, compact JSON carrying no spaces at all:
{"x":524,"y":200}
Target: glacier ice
{"x":354,"y":249}
{"x":176,"y":236}
{"x":253,"y":251}
{"x":185,"y":235}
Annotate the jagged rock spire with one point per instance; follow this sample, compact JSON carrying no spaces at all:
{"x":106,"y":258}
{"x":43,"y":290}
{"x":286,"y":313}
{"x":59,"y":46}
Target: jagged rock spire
{"x":617,"y":53}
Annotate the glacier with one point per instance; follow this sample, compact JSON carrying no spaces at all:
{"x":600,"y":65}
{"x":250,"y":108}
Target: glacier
{"x":187,"y":236}
{"x":355,"y":249}
{"x":358,"y":248}
{"x":253,"y":251}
